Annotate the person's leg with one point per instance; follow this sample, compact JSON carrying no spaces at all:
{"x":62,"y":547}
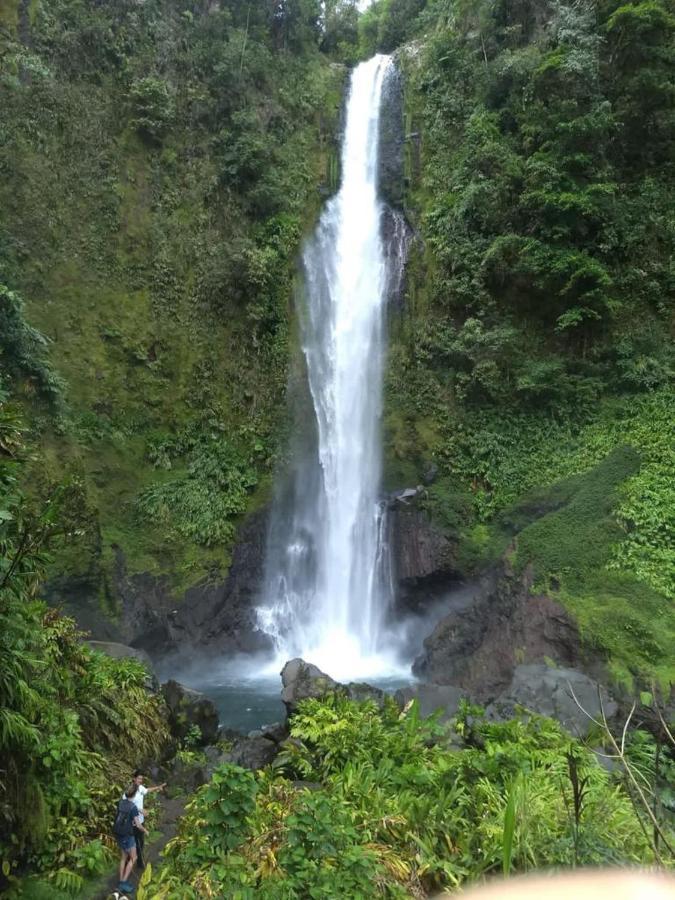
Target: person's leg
{"x":140,"y":845}
{"x":123,"y":862}
{"x":131,"y":859}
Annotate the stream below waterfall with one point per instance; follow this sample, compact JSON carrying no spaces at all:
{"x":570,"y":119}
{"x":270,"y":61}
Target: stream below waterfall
{"x":248,"y":703}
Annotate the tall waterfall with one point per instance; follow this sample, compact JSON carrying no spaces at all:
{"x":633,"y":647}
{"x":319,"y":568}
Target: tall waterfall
{"x":328,"y":583}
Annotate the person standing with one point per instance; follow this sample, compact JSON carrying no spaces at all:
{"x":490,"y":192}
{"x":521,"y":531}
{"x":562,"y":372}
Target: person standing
{"x":139,"y":797}
{"x":127,"y":822}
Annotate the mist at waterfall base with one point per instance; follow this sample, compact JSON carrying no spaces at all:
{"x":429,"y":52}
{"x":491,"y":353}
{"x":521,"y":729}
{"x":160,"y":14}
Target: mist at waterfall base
{"x":246,"y":689}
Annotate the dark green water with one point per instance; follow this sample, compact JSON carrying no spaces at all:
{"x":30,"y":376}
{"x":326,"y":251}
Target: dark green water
{"x":249,"y":703}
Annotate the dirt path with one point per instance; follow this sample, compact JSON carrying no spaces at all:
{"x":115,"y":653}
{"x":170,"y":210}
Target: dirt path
{"x":171,"y":809}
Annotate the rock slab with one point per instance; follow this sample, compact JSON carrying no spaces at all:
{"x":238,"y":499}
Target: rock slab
{"x":552,"y":692}
{"x":431,"y":698}
{"x":188,"y":708}
{"x":302,"y":681}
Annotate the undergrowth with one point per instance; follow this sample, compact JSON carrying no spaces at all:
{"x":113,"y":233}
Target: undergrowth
{"x":379,"y":803}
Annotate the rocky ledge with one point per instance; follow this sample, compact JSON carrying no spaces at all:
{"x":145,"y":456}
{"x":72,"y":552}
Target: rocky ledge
{"x":564,"y":694}
{"x":484,"y":636}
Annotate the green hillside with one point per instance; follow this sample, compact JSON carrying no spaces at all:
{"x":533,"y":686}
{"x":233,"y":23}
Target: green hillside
{"x":159,"y":167}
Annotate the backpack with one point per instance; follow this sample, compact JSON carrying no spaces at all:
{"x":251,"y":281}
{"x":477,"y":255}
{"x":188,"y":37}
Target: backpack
{"x":124,"y":818}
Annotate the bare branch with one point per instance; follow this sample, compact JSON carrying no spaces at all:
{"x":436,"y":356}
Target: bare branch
{"x":585,"y":711}
{"x":620,"y":755}
{"x":663,"y":724}
{"x":625,"y":726}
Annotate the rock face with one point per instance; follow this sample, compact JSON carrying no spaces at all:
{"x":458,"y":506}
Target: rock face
{"x":187,"y":708}
{"x":478,"y":645}
{"x":303,"y":680}
{"x":425,"y":557}
{"x":551,"y":692}
{"x":223,"y":618}
{"x":390,"y":161}
{"x":432,"y":697}
{"x":153,"y":620}
{"x":120,"y":651}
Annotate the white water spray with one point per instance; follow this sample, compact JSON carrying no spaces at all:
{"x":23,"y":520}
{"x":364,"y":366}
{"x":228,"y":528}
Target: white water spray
{"x":329,"y":582}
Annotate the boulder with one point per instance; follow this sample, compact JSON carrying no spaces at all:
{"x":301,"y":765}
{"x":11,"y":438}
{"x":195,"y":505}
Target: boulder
{"x":551,"y":692}
{"x":277,"y":732}
{"x":432,"y":697}
{"x":187,"y":708}
{"x":122,"y":651}
{"x":488,"y":632}
{"x":228,"y":735}
{"x":301,"y":680}
{"x":188,"y":775}
{"x":360,"y":691}
{"x":252,"y":752}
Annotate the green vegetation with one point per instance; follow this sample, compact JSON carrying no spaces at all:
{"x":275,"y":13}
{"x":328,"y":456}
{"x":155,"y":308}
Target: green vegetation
{"x":393,"y":809}
{"x":73,"y":723}
{"x":535,"y":342}
{"x":158,"y":166}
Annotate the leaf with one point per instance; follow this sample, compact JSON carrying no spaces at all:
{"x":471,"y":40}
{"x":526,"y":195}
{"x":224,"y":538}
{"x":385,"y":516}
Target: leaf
{"x":510,"y":825}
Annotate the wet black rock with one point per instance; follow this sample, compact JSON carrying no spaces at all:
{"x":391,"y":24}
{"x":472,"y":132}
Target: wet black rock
{"x":188,"y":708}
{"x":390,"y":162}
{"x":421,"y":550}
{"x":486,"y":634}
{"x":252,"y":752}
{"x":561,"y":694}
{"x":431,"y":698}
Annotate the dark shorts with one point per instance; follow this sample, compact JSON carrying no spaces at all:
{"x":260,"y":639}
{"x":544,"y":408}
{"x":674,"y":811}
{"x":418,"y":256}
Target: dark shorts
{"x":127,"y":842}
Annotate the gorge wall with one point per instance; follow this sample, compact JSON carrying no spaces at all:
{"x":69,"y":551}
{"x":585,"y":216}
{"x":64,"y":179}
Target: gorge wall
{"x":181,"y":155}
{"x":159,"y":168}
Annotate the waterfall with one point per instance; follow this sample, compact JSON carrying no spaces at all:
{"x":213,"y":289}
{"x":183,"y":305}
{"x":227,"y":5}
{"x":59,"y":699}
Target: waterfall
{"x":328,"y":582}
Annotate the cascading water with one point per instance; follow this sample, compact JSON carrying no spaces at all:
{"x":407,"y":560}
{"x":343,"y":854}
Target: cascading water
{"x":328,"y":584}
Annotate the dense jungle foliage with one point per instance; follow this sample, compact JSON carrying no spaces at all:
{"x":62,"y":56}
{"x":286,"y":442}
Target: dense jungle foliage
{"x":380,"y":803}
{"x":537,"y":337}
{"x":73,"y":723}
